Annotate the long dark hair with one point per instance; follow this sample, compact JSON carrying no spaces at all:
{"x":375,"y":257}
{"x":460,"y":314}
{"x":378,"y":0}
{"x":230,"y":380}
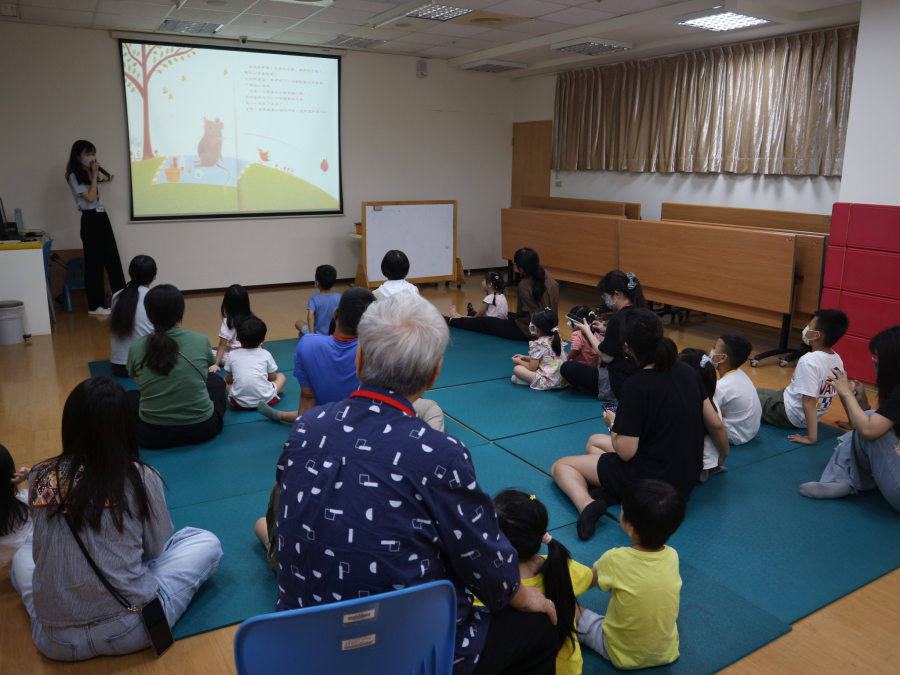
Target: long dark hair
{"x":13,"y":513}
{"x":626,"y":284}
{"x":886,"y":346}
{"x":98,"y":433}
{"x":527,"y":260}
{"x":236,"y":305}
{"x":524,"y":521}
{"x":165,"y":307}
{"x":495,"y":279}
{"x":545,"y":321}
{"x":694,"y":357}
{"x":74,"y":164}
{"x":142,"y":271}
{"x":643,"y":332}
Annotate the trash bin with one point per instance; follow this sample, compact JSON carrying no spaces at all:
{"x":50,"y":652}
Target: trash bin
{"x":12,"y":322}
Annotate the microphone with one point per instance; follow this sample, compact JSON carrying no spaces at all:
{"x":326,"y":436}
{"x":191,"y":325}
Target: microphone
{"x":104,"y":172}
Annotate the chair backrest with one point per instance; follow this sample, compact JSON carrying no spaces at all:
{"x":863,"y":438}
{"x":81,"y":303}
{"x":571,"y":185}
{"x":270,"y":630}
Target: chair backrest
{"x":412,"y":630}
{"x":47,"y":247}
{"x":75,"y":274}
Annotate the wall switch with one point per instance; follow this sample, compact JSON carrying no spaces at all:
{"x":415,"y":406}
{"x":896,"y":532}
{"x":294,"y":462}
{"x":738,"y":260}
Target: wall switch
{"x":559,"y":183}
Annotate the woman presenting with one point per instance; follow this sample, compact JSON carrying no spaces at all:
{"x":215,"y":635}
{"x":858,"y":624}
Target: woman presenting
{"x":97,"y":238}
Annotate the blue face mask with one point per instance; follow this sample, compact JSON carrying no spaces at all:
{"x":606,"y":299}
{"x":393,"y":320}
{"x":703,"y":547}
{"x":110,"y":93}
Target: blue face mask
{"x":875,"y":366}
{"x":609,"y":302}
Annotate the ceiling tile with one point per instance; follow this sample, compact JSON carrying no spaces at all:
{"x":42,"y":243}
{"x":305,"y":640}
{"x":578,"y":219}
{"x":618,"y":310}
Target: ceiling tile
{"x":402,"y":47}
{"x":143,"y":9}
{"x":456,"y":30}
{"x":528,"y":8}
{"x":285,"y":10}
{"x":252,"y":32}
{"x":385,"y":33}
{"x":578,"y":16}
{"x":623,"y":6}
{"x":123,"y":21}
{"x":650,"y":32}
{"x":443,"y":52}
{"x":304,"y":38}
{"x":473,"y":4}
{"x":78,"y":5}
{"x":422,"y":38}
{"x":336,"y":15}
{"x":229,"y":6}
{"x":260,"y":21}
{"x":364,"y":5}
{"x":324,"y":27}
{"x":540,"y":27}
{"x":593,"y":4}
{"x":411,"y":25}
{"x":64,"y":17}
{"x":209,"y":16}
{"x":469,"y":43}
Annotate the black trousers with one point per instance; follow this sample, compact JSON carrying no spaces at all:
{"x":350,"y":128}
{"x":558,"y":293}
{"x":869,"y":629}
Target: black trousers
{"x":581,"y":376}
{"x":119,"y":369}
{"x":100,"y":251}
{"x":491,"y":325}
{"x":519,"y":643}
{"x":160,"y":437}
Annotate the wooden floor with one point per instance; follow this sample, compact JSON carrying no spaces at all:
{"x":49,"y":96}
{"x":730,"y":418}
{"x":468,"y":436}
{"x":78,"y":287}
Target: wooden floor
{"x":859,"y":633}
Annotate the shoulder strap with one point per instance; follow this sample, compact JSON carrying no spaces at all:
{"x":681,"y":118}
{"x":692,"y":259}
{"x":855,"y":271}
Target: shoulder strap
{"x":193,"y":364}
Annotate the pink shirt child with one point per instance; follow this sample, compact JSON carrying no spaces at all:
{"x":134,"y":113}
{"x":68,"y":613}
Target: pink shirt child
{"x":587,"y":355}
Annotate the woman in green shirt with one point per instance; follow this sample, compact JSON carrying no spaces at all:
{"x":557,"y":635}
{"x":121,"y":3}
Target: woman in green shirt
{"x":179,"y":402}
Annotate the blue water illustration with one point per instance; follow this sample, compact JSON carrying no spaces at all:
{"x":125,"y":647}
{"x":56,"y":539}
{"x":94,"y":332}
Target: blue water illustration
{"x":181,"y":169}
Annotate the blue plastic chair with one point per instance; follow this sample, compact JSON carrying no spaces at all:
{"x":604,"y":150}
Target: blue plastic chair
{"x":74,"y":280}
{"x":410,"y":631}
{"x":46,"y":247}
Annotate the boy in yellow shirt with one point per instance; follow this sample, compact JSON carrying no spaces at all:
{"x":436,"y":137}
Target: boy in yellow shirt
{"x":639,"y":629}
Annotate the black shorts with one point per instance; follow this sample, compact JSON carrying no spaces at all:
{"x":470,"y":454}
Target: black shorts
{"x":613,"y":474}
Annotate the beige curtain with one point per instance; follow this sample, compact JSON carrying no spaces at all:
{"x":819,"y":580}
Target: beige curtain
{"x":777,"y":106}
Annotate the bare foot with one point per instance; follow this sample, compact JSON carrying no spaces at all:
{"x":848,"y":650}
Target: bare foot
{"x":453,"y":313}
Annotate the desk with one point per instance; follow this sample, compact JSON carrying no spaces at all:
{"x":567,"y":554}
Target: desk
{"x":22,"y":278}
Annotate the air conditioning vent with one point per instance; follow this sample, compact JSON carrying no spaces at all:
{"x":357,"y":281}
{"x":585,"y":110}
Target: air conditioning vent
{"x":494,"y":66}
{"x":191,"y":27}
{"x":357,"y":42}
{"x":591,"y":46}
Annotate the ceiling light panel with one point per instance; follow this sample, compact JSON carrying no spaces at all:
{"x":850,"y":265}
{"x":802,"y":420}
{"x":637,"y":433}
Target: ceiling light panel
{"x":357,"y":42}
{"x":724,"y":21}
{"x":438,"y":12}
{"x":591,"y":46}
{"x":190,"y":27}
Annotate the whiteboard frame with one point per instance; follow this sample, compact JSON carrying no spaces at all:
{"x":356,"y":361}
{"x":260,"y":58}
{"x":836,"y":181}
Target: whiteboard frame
{"x":423,"y":280}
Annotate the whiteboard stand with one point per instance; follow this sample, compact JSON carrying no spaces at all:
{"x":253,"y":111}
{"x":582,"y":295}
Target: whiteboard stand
{"x":424,"y":230}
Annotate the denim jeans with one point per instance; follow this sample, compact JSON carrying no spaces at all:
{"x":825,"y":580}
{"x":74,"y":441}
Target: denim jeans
{"x":189,"y":558}
{"x":865,"y":465}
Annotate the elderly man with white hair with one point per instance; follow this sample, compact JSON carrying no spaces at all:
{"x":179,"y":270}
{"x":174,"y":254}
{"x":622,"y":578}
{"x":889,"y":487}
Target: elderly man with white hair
{"x":373,"y":500}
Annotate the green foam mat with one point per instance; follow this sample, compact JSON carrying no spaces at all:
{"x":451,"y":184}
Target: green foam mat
{"x":499,"y":408}
{"x":472,"y":357}
{"x":716,"y":626}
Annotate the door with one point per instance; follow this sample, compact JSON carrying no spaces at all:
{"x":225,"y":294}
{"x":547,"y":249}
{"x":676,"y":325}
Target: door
{"x":532,"y":145}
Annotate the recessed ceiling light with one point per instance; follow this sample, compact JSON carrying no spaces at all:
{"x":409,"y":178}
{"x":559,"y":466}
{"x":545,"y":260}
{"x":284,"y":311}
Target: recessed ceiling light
{"x":358,"y":42}
{"x":724,"y":21}
{"x":591,"y":46}
{"x":192,"y":27}
{"x":438,"y":12}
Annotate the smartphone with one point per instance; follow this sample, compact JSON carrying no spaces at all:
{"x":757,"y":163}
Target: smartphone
{"x":576,"y":320}
{"x":154,"y":617}
{"x":611,"y":407}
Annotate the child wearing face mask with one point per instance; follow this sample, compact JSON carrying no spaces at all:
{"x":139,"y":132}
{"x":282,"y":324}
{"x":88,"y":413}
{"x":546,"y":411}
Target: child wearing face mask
{"x":494,"y":303}
{"x":735,"y":394}
{"x":810,"y":393}
{"x":321,"y":306}
{"x":540,"y":368}
{"x":581,"y":350}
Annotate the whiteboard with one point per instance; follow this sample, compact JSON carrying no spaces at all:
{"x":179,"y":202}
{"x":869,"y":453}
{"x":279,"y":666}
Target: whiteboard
{"x":424,"y":231}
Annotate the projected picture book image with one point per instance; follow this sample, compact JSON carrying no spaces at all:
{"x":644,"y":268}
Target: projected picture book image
{"x":217,"y":132}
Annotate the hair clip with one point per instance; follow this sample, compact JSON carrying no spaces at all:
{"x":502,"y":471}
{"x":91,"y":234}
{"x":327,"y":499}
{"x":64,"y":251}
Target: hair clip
{"x":546,"y":538}
{"x":632,"y":280}
{"x":533,"y":497}
{"x":555,"y":329}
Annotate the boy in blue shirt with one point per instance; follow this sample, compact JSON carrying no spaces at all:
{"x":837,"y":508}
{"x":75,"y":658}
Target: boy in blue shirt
{"x":321,"y":306}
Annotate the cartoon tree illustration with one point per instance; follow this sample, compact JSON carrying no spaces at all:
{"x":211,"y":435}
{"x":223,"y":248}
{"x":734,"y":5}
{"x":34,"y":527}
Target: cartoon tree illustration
{"x":139,"y":68}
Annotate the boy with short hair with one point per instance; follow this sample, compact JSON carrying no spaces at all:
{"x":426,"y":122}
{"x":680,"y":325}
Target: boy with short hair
{"x":395,"y":267}
{"x":321,"y":306}
{"x":810,"y":393}
{"x":639,"y":629}
{"x":250,"y":372}
{"x":736,"y":395}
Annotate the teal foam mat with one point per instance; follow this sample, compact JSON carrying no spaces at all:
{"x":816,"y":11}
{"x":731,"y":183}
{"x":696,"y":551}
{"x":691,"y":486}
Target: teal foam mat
{"x":499,"y":408}
{"x":472,"y":357}
{"x":468,"y":437}
{"x":542,"y":448}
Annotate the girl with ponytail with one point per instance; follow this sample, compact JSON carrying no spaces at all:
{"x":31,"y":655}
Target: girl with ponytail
{"x":540,"y":368}
{"x":494,"y":303}
{"x":657,"y":431}
{"x":713,"y":462}
{"x":524,"y":521}
{"x":179,"y":402}
{"x":129,"y":318}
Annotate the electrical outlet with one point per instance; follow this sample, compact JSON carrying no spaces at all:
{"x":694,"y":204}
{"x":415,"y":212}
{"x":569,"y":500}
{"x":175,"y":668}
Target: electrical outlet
{"x":559,"y":183}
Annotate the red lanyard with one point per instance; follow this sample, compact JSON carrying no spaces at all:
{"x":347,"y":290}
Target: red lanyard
{"x":343,"y":339}
{"x":384,"y":399}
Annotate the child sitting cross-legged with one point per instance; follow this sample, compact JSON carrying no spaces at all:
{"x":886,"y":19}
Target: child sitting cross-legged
{"x":582,"y":351}
{"x":321,"y":306}
{"x":524,"y":521}
{"x":250,"y":371}
{"x":540,"y":367}
{"x":639,"y":629}
{"x":494,"y":303}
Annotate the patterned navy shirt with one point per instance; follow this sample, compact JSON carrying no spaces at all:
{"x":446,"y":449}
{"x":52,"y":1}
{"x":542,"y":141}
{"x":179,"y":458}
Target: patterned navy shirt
{"x":373,"y":499}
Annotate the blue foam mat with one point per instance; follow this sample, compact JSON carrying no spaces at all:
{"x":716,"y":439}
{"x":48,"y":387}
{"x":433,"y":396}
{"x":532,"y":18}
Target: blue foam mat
{"x":472,"y":357}
{"x":499,"y":408}
{"x":468,"y":437}
{"x":542,"y":448}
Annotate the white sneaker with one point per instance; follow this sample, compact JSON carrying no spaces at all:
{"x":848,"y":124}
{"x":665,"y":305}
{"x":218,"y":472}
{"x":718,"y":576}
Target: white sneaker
{"x":100,"y":311}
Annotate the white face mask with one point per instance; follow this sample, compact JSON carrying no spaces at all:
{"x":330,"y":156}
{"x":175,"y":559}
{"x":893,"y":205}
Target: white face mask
{"x":805,"y":331}
{"x":532,"y":329}
{"x":569,"y":325}
{"x":87,"y":160}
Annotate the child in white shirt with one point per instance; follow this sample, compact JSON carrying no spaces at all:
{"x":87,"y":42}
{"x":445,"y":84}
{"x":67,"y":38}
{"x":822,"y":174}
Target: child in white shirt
{"x":736,"y":396}
{"x":395,"y":267}
{"x":16,"y":526}
{"x":809,"y":395}
{"x":251,"y":372}
{"x":713,"y":460}
{"x":235,"y":308}
{"x":494,"y":303}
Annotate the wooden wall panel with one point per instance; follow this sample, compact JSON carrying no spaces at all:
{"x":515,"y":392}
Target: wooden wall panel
{"x":780,"y":220}
{"x":580,"y":205}
{"x":532,"y":147}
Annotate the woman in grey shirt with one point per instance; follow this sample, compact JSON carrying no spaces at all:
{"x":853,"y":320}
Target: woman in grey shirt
{"x":129,"y":318}
{"x":116,"y":504}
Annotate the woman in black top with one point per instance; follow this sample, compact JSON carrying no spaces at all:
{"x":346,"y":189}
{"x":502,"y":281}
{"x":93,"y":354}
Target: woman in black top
{"x":867,"y":457}
{"x":657,"y":431}
{"x":622,"y":292}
